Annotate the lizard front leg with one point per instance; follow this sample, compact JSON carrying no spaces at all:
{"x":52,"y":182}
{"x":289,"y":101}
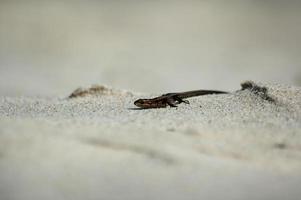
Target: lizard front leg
{"x":171,"y":102}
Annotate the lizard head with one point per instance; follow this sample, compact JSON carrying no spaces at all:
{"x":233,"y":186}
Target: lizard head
{"x":140,"y":102}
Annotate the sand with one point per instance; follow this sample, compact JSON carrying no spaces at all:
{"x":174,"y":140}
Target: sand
{"x":97,"y":145}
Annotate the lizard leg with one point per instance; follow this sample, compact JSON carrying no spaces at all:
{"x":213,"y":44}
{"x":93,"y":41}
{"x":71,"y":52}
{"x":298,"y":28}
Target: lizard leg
{"x":171,"y":102}
{"x":180,"y":100}
{"x":185,"y":101}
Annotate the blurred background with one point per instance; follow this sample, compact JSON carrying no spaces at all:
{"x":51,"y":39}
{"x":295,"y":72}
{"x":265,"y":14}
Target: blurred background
{"x":51,"y":47}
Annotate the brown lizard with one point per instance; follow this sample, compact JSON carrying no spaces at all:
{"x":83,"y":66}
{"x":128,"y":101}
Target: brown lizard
{"x":172,"y":99}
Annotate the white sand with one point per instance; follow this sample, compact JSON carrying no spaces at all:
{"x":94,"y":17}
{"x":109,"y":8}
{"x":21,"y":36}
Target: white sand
{"x":235,"y":146}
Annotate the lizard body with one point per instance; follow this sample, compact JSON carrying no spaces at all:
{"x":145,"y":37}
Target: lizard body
{"x":172,"y":99}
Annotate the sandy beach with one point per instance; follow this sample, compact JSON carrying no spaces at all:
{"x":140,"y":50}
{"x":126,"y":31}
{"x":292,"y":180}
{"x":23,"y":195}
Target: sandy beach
{"x":99,"y":146}
{"x":58,"y":142}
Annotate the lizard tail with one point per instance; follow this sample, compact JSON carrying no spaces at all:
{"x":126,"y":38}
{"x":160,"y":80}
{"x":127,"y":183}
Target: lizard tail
{"x":201,"y":92}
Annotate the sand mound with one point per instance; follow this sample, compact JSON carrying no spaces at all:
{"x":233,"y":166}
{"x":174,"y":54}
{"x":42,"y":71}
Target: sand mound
{"x":96,"y":90}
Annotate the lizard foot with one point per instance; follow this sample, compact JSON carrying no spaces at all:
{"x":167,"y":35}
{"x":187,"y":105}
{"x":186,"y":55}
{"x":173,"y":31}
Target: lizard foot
{"x":186,"y":101}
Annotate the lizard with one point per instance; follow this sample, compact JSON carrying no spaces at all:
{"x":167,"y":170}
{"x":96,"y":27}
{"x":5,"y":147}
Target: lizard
{"x":172,"y":99}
